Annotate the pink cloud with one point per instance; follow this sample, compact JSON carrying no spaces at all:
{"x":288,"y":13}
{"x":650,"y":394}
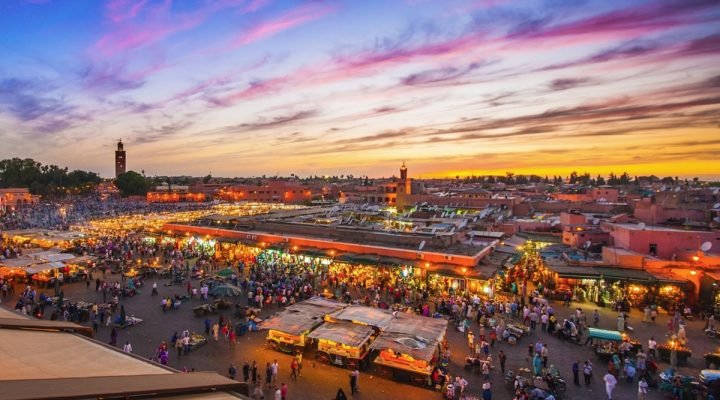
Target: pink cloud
{"x":214,"y":84}
{"x":289,"y":20}
{"x":158,"y":24}
{"x":120,"y":10}
{"x":631,"y":22}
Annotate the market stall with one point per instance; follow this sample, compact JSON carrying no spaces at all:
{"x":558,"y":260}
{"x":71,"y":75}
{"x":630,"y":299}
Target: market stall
{"x":665,"y":352}
{"x":45,"y":274}
{"x":375,"y":317}
{"x":409,"y":346}
{"x":343,"y":344}
{"x":287,"y":330}
{"x":605,"y":343}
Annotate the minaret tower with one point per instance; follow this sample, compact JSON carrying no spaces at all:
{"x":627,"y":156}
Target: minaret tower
{"x":120,"y":160}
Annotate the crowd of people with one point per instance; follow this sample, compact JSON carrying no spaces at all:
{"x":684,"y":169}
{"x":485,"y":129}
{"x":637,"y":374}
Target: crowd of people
{"x":275,"y":279}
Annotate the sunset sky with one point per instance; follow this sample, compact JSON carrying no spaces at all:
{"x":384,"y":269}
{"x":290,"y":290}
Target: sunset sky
{"x":253,"y":87}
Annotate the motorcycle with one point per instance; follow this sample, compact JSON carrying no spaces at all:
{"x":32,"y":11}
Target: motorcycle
{"x":678,"y":386}
{"x":712,"y":332}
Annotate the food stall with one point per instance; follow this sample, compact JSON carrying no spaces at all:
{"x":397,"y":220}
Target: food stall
{"x":45,"y":274}
{"x":343,"y":344}
{"x":376,"y":317}
{"x":15,"y":267}
{"x":665,"y":350}
{"x":287,"y":330}
{"x":196,"y":340}
{"x":605,"y":342}
{"x":407,"y":348}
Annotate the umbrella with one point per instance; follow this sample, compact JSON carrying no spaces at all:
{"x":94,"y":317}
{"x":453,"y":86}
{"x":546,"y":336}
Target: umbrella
{"x":225,"y":290}
{"x":226,"y":272}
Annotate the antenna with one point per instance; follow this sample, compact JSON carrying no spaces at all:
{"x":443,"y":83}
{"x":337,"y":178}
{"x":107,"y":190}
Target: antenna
{"x":706,"y":246}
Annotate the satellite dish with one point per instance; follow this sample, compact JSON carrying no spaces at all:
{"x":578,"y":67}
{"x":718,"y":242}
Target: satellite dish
{"x":677,"y":189}
{"x":716,"y":191}
{"x":717,"y":206}
{"x":706,"y":246}
{"x":641,"y":225}
{"x":422,"y":244}
{"x":595,"y":221}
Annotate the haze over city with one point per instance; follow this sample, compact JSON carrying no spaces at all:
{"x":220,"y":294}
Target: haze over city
{"x":253,"y":87}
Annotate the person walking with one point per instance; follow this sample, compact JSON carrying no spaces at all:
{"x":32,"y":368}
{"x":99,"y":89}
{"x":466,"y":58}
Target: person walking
{"x":246,"y":371}
{"x":293,"y":369}
{"x":179,"y":347}
{"x":268,"y":375}
{"x":587,"y":372}
{"x":113,"y":336}
{"x":642,"y":389}
{"x":544,"y":355}
{"x":254,"y":374}
{"x":596,"y":318}
{"x":298,"y":358}
{"x":610,"y":382}
{"x":353,"y":383}
{"x":127,"y":348}
{"x":487,"y":391}
{"x":283,"y":391}
{"x":576,"y":372}
{"x":232,"y":371}
{"x":502,"y":357}
{"x":652,"y":345}
{"x":274,"y":368}
{"x":258,"y":393}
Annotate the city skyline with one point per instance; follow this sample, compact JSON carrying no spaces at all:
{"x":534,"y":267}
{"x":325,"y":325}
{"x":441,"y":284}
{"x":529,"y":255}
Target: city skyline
{"x":259,"y":87}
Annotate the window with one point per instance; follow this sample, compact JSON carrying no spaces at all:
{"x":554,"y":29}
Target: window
{"x":653,"y":249}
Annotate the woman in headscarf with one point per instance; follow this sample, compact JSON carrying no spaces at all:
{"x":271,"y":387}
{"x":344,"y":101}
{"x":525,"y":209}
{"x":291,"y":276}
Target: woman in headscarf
{"x":537,"y":364}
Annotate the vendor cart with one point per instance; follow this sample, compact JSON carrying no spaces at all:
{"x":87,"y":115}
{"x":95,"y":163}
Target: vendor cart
{"x":517,"y":330}
{"x":197,"y":340}
{"x":129,"y":321}
{"x":683,"y":353}
{"x":605,"y":342}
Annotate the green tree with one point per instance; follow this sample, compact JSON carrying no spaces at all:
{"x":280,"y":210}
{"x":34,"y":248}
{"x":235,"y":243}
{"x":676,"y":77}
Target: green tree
{"x":132,"y":184}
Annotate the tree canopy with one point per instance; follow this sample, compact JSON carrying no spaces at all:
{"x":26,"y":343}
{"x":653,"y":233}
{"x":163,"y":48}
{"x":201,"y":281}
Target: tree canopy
{"x":46,"y":180}
{"x":132,"y":184}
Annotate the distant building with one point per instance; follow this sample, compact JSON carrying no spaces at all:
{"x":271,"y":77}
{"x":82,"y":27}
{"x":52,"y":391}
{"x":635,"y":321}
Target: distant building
{"x":174,"y":194}
{"x":658,"y":241}
{"x":120,"y":160}
{"x":603,"y":194}
{"x":14,"y":198}
{"x":269,"y":192}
